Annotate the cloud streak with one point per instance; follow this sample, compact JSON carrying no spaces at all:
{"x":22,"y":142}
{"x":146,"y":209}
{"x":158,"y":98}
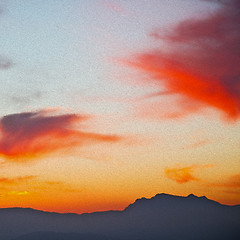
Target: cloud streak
{"x":201,"y":63}
{"x":231,"y":182}
{"x":19,"y":193}
{"x":114,"y":6}
{"x":16,"y":180}
{"x":198,"y":144}
{"x":61,"y":186}
{"x":25,"y":99}
{"x":29,"y":135}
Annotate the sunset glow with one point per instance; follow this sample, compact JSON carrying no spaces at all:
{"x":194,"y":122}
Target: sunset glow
{"x":103,"y":102}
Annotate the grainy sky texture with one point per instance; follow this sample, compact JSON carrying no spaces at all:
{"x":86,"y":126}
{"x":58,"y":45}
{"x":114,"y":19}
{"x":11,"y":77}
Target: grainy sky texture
{"x":106,"y":101}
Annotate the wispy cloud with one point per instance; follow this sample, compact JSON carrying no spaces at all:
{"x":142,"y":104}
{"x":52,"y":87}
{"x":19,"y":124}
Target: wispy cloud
{"x":227,"y":185}
{"x":60,"y":186}
{"x":198,"y":144}
{"x":231,"y":182}
{"x":5,"y":63}
{"x":25,"y":99}
{"x":184,"y":174}
{"x":19,"y":193}
{"x":200,"y":63}
{"x":15,"y":180}
{"x":114,"y":6}
{"x":28,"y":135}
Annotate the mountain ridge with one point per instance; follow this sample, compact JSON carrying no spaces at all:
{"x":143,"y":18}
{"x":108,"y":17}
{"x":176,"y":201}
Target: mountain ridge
{"x":163,"y":216}
{"x":158,"y":195}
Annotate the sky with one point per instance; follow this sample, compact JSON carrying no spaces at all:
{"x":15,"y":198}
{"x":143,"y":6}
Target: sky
{"x":107,"y":101}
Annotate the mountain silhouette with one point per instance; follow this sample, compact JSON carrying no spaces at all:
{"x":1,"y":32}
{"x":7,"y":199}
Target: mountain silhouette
{"x":160,"y":217}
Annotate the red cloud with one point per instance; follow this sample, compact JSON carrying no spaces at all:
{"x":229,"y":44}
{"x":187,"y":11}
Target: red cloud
{"x":201,"y":62}
{"x":29,"y":135}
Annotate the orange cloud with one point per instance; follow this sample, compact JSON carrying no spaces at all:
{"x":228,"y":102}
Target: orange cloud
{"x":180,"y":175}
{"x":28,"y":135}
{"x":200,"y":63}
{"x":184,"y":174}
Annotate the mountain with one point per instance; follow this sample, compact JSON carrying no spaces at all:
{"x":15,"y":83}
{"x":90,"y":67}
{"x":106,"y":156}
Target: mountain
{"x":160,"y":217}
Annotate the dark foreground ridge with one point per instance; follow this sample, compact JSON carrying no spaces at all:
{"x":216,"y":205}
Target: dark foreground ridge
{"x":160,"y":217}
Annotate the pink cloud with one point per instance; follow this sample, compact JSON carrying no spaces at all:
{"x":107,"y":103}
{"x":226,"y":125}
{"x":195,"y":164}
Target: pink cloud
{"x":114,"y":6}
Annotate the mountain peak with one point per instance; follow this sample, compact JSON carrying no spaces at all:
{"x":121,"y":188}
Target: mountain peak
{"x":194,"y":196}
{"x":164,"y":198}
{"x":191,"y":195}
{"x":165,"y":195}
